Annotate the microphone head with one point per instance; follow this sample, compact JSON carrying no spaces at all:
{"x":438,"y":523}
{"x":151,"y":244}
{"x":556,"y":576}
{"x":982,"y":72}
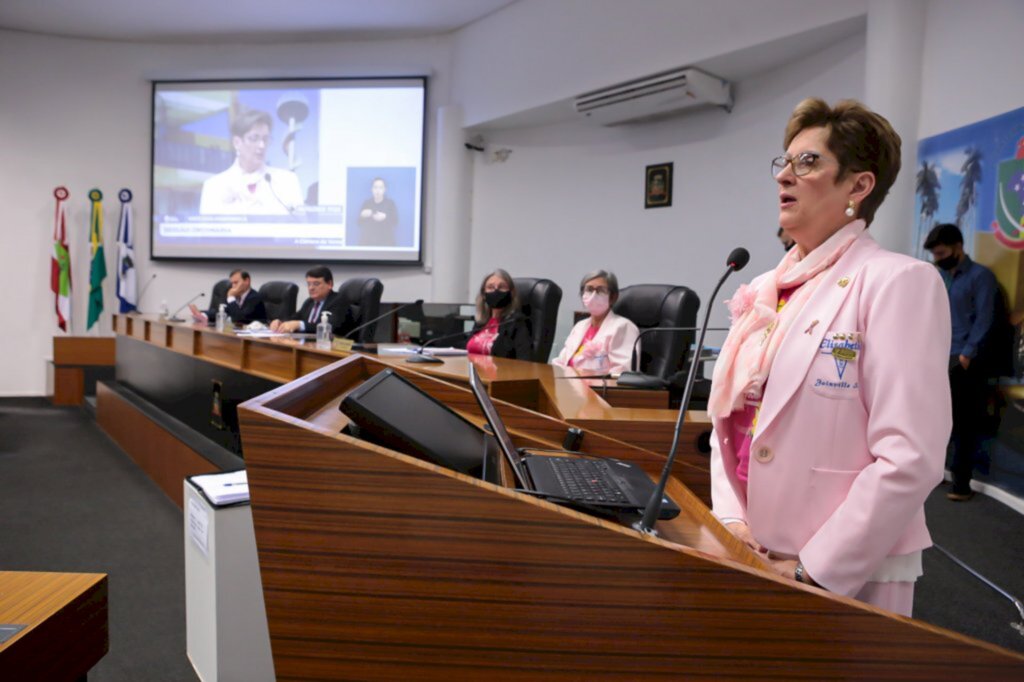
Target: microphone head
{"x":266,"y":177}
{"x":738,"y":259}
{"x":202,"y":295}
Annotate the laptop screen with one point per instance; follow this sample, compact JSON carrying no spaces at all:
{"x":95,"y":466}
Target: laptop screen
{"x":498,"y":427}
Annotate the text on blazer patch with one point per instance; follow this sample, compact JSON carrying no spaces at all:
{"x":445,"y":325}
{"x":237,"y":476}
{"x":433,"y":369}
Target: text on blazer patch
{"x":844,"y":348}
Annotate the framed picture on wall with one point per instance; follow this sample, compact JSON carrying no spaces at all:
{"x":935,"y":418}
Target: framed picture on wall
{"x":658,"y":186}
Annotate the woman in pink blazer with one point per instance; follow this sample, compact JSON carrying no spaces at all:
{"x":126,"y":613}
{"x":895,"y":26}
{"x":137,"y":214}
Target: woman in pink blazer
{"x":830,"y":401}
{"x":602,"y":343}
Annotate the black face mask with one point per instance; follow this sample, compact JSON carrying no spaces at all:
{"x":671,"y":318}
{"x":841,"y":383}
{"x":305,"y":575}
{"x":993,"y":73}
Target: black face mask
{"x":498,"y":298}
{"x":947,"y":263}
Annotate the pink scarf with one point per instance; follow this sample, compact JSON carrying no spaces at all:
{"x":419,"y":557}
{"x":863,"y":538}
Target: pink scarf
{"x":758,"y":328}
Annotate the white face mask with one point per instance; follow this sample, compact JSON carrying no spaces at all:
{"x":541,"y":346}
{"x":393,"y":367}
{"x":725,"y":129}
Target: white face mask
{"x":596,"y":304}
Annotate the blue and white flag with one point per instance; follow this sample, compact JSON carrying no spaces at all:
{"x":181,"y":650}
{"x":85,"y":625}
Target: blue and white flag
{"x":127,"y":290}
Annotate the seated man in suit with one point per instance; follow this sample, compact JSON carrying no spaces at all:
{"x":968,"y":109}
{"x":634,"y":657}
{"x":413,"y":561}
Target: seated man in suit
{"x":244,"y":304}
{"x":322,"y":298}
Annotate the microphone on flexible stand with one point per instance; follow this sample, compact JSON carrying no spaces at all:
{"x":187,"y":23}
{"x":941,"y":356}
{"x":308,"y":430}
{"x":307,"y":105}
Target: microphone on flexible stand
{"x":637,"y":379}
{"x":347,"y":341}
{"x":426,"y":358}
{"x":737,"y":261}
{"x":290,"y":209}
{"x":145,"y":287}
{"x":174,"y":317}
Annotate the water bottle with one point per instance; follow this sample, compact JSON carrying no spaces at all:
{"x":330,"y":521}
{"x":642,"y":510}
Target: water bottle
{"x":324,"y":333}
{"x":165,"y":312}
{"x":222,"y":317}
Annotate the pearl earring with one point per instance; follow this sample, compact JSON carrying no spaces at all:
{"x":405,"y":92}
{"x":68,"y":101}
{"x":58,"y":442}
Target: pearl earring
{"x":849,"y":209}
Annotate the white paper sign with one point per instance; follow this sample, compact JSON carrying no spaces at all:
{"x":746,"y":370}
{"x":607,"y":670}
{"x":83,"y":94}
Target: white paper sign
{"x":198,"y":525}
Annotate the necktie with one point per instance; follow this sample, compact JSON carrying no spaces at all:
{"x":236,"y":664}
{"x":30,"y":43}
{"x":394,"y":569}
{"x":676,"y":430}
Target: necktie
{"x":315,"y":313}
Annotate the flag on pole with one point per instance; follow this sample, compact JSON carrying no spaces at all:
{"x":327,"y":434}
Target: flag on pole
{"x":98,"y":265}
{"x":127,"y":290}
{"x":60,"y":263}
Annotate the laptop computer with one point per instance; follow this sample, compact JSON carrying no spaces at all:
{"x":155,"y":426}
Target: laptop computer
{"x":608,"y":484}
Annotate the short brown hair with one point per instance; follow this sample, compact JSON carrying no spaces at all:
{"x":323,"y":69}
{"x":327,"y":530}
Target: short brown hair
{"x":860,"y":139}
{"x":249,"y":119}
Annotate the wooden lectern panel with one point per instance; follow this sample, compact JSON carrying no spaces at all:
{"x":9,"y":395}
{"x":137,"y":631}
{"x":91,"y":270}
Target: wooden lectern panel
{"x":379,"y":566}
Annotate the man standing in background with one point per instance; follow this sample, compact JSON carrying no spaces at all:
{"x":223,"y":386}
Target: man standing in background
{"x":973,"y":293}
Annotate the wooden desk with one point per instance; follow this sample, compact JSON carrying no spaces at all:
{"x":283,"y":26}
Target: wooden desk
{"x":379,"y":566}
{"x":66,"y":621}
{"x":71,"y":355}
{"x":541,"y":388}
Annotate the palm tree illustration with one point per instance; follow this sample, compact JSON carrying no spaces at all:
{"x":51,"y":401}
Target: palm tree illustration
{"x":928,"y":189}
{"x":965,"y":207}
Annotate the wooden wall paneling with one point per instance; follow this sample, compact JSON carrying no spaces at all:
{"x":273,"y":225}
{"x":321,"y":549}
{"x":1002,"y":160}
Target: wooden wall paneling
{"x":163,"y":457}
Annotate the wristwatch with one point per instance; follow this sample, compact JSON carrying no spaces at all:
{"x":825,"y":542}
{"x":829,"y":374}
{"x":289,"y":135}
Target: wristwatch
{"x":799,"y":575}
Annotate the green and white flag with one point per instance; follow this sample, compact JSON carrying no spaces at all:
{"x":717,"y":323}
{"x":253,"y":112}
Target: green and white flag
{"x":98,"y":265}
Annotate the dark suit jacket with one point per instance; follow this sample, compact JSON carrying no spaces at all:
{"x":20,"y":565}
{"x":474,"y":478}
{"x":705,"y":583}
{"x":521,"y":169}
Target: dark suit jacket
{"x":342,"y":320}
{"x":252,"y":309}
{"x":514,"y":340}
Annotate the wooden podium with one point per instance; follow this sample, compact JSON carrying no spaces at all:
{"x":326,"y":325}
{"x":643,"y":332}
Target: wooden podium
{"x":376,"y":565}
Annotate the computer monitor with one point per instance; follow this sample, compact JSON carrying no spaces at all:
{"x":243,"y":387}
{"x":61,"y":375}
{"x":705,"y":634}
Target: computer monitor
{"x":391,"y":411}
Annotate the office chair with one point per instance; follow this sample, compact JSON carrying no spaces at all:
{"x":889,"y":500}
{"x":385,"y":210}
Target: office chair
{"x":280,"y":298}
{"x":219,"y":294}
{"x":362,"y":296}
{"x":539,"y":299}
{"x":662,"y":354}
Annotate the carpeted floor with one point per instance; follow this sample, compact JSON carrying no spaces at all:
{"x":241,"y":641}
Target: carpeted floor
{"x":76,"y":502}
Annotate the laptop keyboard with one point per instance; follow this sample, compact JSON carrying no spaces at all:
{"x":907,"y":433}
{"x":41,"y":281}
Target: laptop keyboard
{"x":586,"y":480}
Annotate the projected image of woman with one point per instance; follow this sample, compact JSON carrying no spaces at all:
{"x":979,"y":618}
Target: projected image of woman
{"x":250,"y":186}
{"x":378,"y":217}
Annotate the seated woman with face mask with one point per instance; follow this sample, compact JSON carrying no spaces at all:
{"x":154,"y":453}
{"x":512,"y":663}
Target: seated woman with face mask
{"x":603,"y":342}
{"x":501,"y":330}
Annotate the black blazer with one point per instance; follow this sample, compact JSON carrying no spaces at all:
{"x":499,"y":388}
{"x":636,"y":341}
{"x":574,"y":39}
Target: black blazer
{"x":342,"y":321}
{"x":252,"y":309}
{"x":513,"y":341}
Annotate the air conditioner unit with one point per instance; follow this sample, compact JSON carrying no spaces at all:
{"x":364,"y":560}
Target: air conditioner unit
{"x":655,"y":96}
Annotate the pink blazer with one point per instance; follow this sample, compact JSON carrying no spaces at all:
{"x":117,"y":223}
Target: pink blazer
{"x":846,"y":451}
{"x":620,"y":334}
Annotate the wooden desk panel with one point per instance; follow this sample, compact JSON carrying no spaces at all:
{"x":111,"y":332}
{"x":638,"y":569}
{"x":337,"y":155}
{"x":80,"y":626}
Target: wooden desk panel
{"x":544,"y":389}
{"x":84,"y":350}
{"x":67,"y":629}
{"x":225,"y":349}
{"x":376,"y":565}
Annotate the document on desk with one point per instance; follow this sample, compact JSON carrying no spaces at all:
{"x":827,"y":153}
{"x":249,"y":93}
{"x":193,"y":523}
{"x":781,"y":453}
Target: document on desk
{"x":226,"y":488}
{"x":404,"y":349}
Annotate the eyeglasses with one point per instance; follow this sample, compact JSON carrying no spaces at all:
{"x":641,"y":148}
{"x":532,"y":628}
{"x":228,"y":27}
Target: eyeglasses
{"x":802,"y":163}
{"x":595,"y":290}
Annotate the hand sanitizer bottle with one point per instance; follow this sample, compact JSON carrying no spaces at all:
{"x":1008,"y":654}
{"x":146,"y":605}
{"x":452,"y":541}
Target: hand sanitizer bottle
{"x":323,"y":333}
{"x":222,"y":317}
{"x":165,"y":312}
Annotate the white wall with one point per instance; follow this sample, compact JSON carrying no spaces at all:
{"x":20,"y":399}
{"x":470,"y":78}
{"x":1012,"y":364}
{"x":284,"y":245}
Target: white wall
{"x":570,"y":197}
{"x":534,"y":52}
{"x":973,"y":63}
{"x":77,"y":113}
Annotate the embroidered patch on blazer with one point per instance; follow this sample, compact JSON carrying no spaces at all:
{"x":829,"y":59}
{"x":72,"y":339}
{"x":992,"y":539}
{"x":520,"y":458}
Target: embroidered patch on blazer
{"x":835,"y":372}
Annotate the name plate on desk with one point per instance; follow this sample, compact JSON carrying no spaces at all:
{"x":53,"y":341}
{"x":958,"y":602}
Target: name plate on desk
{"x":342,"y":344}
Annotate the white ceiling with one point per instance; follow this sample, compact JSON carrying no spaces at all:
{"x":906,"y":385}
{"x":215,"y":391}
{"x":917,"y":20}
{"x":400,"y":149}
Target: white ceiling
{"x":277,"y":20}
